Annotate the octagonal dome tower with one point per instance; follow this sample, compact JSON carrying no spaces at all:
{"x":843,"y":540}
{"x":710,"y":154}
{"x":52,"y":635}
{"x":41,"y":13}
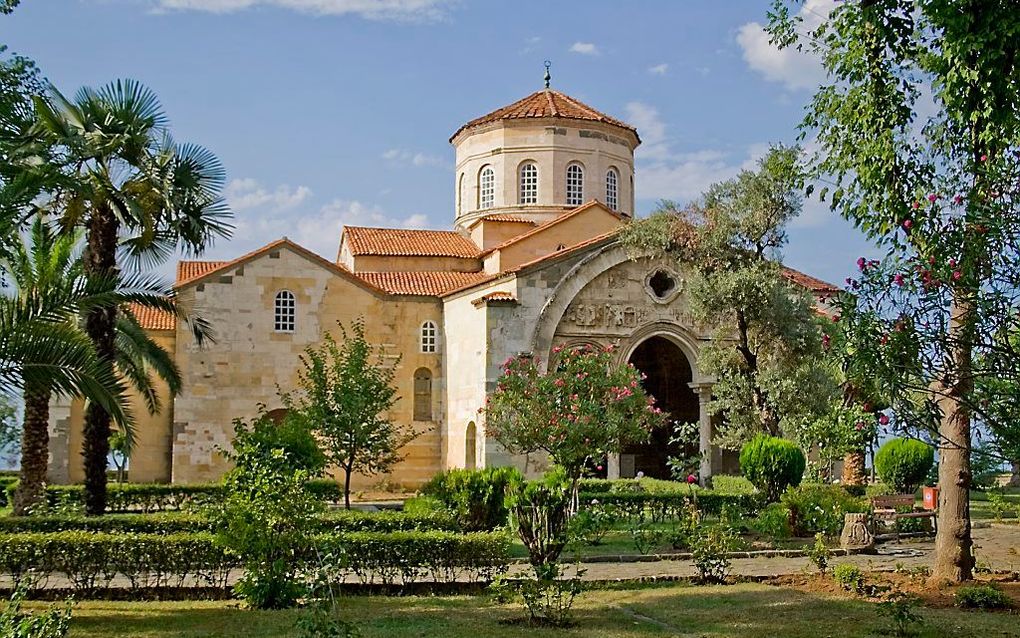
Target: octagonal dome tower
{"x":540,"y":157}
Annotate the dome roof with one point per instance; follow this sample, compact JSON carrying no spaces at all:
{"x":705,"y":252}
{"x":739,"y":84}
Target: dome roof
{"x":546,"y":103}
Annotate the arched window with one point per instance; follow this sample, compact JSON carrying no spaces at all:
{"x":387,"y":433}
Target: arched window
{"x":283,"y":311}
{"x":486,"y":187}
{"x":527,"y":183}
{"x":422,"y":394}
{"x":612,"y":189}
{"x":470,"y":446}
{"x":575,"y":185}
{"x":429,"y":337}
{"x":460,"y":194}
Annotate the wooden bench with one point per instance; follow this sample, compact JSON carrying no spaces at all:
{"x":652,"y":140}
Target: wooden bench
{"x":888,"y":508}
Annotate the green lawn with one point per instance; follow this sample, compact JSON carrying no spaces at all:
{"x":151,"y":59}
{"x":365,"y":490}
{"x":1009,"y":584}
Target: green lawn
{"x":980,"y":509}
{"x":744,"y":611}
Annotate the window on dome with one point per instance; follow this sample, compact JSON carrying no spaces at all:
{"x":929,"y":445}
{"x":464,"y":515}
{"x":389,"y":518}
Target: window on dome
{"x":429,"y":337}
{"x":486,"y":187}
{"x":575,"y":185}
{"x":283,"y":311}
{"x":422,"y":394}
{"x":613,"y":189}
{"x":527,"y":188}
{"x":460,"y":194}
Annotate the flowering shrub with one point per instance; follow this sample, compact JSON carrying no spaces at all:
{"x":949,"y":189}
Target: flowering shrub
{"x":585,"y":407}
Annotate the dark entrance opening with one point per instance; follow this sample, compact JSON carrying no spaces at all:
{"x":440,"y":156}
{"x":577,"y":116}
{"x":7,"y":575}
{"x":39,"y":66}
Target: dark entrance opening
{"x":668,"y":377}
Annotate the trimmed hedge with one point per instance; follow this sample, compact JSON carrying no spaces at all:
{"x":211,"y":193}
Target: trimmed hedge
{"x":161,"y":497}
{"x":665,"y":506}
{"x":337,"y":521}
{"x":90,"y":561}
{"x":903,"y":464}
{"x":772,"y":464}
{"x":476,"y":497}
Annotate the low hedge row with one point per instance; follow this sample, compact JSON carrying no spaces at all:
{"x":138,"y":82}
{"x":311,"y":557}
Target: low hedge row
{"x":160,"y":497}
{"x":665,"y":506}
{"x":91,"y":561}
{"x":336,"y":521}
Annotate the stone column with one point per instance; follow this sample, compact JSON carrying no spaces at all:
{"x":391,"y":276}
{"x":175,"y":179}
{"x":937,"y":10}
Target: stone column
{"x":613,"y":466}
{"x":704,"y":391}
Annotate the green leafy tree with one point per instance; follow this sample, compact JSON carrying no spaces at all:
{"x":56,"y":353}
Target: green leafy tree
{"x":46,"y":264}
{"x":268,"y":517}
{"x":346,"y":394}
{"x":917,"y":131}
{"x":132,"y":188}
{"x":766,"y":346}
{"x":581,"y":409}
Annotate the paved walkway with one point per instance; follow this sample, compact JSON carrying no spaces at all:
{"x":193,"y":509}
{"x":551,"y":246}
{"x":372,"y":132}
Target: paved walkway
{"x":995,"y":547}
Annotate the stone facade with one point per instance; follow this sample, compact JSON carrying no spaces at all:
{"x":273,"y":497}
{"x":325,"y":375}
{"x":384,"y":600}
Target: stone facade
{"x":452,"y":305}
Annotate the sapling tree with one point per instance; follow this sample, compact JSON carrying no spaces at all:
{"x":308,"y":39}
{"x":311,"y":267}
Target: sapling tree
{"x":347,"y":394}
{"x":917,"y":131}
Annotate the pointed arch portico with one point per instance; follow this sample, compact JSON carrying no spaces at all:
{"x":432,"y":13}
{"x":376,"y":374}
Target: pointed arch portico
{"x":605,"y":299}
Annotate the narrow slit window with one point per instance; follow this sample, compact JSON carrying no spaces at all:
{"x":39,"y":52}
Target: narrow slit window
{"x":613,"y":189}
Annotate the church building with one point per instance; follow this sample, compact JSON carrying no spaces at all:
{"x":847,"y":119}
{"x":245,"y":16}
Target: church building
{"x":543,"y":186}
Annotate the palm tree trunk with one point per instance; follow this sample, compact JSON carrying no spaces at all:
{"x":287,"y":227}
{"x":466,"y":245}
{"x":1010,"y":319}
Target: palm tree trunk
{"x":954,"y":558}
{"x":100,"y":260}
{"x":853,"y":468}
{"x":35,"y":440}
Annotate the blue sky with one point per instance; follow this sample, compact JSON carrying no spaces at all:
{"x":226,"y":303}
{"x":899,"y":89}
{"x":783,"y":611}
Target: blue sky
{"x":328,"y":112}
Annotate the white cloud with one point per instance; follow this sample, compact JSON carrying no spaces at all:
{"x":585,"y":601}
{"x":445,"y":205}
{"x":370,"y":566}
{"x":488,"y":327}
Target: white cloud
{"x":584,"y":48}
{"x":790,"y":67}
{"x":650,"y":126}
{"x":415,"y":158}
{"x":246,"y":193}
{"x":659,"y":69}
{"x":369,"y":9}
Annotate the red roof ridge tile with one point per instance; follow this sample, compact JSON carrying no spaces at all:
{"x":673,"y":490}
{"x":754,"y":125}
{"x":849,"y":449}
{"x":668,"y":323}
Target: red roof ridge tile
{"x":370,"y":240}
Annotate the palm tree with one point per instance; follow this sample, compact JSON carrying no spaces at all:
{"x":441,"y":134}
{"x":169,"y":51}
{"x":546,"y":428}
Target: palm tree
{"x":127,"y":184}
{"x":47,"y":264}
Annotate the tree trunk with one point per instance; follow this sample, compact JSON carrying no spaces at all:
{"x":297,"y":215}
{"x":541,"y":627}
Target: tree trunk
{"x":853,"y":468}
{"x":100,"y":259}
{"x":1014,"y":479}
{"x":347,"y":488}
{"x":954,"y":558}
{"x":35,"y":441}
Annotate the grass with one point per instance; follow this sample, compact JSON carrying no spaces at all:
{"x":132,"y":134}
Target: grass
{"x":980,"y":508}
{"x":747,"y":611}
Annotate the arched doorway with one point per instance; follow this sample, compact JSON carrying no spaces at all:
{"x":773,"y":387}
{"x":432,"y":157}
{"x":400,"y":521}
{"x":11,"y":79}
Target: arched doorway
{"x":668,"y":375}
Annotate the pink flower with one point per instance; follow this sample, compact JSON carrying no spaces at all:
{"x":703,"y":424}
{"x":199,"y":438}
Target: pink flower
{"x":952,"y":263}
{"x":898,"y":279}
{"x":883,"y":419}
{"x":984,"y":158}
{"x":835,"y":318}
{"x":691,"y":479}
{"x":907,"y":224}
{"x":559,"y":383}
{"x":558,"y":349}
{"x":826,"y":339}
{"x":861,"y":263}
{"x":859,"y":426}
{"x":932,"y":197}
{"x":915,"y":205}
{"x":598,"y":467}
{"x":958,"y":200}
{"x":956,"y":275}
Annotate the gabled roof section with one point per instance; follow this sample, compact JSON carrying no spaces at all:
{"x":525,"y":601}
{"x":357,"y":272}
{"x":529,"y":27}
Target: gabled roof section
{"x":191,"y":269}
{"x":580,"y":210}
{"x":151,"y":318}
{"x":200,"y":275}
{"x":545,"y":104}
{"x":420,"y":283}
{"x":813,"y":284}
{"x":362,"y":240}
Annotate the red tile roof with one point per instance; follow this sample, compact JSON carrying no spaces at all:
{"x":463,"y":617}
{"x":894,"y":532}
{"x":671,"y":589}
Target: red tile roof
{"x":426,"y":283}
{"x":552,"y":222}
{"x":405,"y":242}
{"x":506,"y":217}
{"x":807,"y":281}
{"x":191,"y":269}
{"x":546,"y":103}
{"x":500,"y":296}
{"x":152,"y":319}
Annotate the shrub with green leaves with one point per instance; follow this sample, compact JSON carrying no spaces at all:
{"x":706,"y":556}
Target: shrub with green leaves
{"x":850,"y":577}
{"x":819,"y":553}
{"x":54,"y":622}
{"x":710,"y":551}
{"x":591,"y":524}
{"x":772,"y":521}
{"x":477,"y":498}
{"x":904,"y":463}
{"x":772,"y":464}
{"x":541,"y":514}
{"x":982,"y":597}
{"x":820,"y":508}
